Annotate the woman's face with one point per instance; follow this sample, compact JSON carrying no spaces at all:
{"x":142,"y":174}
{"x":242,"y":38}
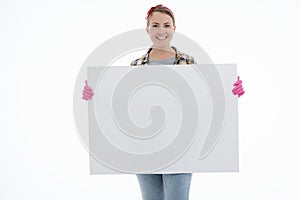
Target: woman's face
{"x":160,"y":29}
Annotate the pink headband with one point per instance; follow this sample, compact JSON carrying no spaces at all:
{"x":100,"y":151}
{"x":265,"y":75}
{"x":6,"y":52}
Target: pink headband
{"x":150,"y":11}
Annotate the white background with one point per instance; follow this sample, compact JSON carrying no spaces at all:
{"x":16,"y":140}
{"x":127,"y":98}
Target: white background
{"x":44,"y":43}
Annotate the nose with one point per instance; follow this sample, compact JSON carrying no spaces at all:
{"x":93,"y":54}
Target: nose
{"x":161,"y":30}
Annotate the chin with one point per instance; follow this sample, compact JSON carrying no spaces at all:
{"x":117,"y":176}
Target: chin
{"x":162,"y":44}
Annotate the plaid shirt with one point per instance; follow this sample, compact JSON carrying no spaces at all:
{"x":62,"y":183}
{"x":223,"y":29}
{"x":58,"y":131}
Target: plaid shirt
{"x":181,"y":59}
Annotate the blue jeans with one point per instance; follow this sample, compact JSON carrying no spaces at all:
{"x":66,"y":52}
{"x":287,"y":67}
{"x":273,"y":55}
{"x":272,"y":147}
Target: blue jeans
{"x":165,"y":186}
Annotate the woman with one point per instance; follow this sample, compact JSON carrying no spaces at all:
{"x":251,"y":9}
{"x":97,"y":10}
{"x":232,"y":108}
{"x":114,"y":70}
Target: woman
{"x":161,"y":27}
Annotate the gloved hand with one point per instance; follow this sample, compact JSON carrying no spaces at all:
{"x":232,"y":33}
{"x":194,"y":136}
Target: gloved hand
{"x":87,"y":92}
{"x":238,"y":89}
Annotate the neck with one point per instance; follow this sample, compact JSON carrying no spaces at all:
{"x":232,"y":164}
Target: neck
{"x":161,"y":53}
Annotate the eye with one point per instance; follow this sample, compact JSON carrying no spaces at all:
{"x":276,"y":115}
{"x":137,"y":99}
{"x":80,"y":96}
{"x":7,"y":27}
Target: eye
{"x":167,"y":26}
{"x":154,"y":25}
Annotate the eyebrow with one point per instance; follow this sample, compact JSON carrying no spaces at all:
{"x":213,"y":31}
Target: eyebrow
{"x":158,"y":23}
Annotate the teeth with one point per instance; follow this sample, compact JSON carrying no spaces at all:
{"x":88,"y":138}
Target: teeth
{"x":161,"y":37}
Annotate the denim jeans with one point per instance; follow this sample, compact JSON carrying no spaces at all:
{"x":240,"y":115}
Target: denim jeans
{"x":165,"y":186}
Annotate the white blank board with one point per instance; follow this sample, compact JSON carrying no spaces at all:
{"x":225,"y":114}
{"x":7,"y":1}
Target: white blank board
{"x":163,"y":119}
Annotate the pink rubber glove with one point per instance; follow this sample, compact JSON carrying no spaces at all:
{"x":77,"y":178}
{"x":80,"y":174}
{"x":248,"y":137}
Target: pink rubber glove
{"x":238,"y":89}
{"x":87,"y":92}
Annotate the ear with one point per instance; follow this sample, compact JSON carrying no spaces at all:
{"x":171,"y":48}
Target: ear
{"x":147,"y":29}
{"x":174,"y":27}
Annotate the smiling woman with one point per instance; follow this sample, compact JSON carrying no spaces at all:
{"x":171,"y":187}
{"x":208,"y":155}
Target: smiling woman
{"x":161,"y":27}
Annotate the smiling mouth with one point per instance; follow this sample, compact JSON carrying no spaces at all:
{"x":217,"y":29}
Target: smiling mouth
{"x":161,"y":37}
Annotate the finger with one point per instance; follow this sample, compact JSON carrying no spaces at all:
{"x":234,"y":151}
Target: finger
{"x":238,"y":82}
{"x":86,"y":82}
{"x":236,"y":88}
{"x":88,"y":88}
{"x":239,"y":90}
{"x":241,"y":94}
{"x":88,"y":93}
{"x":235,"y":83}
{"x":87,"y":97}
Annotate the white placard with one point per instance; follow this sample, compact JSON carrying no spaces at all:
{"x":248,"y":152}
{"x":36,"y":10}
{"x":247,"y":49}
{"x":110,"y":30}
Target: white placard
{"x":163,"y":119}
